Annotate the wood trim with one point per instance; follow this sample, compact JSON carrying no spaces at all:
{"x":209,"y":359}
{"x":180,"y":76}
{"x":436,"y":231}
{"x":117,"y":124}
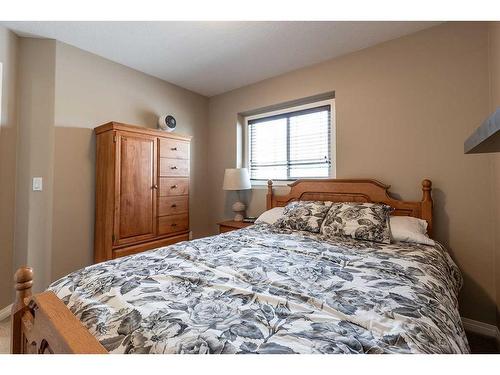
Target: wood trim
{"x":225,"y":229}
{"x":109,"y":214}
{"x":113,"y":125}
{"x":42,"y":324}
{"x":354,"y":190}
{"x":427,"y":205}
{"x":104,"y":202}
{"x":173,"y":186}
{"x":234,"y":224}
{"x":173,"y":205}
{"x":121,"y":137}
{"x":173,"y":167}
{"x":230,"y":225}
{"x":172,"y":224}
{"x":159,"y":241}
{"x":149,"y":245}
{"x":173,"y":148}
{"x":23,"y":282}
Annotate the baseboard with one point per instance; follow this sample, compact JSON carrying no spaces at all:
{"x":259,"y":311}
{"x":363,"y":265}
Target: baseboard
{"x":481,"y":328}
{"x":5,"y":312}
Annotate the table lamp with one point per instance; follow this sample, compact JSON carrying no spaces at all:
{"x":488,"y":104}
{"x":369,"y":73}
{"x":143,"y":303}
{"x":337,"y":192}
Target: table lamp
{"x":237,"y":179}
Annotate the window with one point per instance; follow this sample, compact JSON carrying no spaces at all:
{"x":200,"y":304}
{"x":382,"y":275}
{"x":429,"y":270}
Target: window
{"x":290,"y":145}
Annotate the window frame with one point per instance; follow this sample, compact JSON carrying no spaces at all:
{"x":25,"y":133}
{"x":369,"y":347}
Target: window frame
{"x":282,"y":113}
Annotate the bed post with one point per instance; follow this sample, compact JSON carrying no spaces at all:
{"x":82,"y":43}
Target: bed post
{"x":42,"y":324}
{"x":427,"y":204}
{"x":269,"y":198}
{"x":24,"y":281}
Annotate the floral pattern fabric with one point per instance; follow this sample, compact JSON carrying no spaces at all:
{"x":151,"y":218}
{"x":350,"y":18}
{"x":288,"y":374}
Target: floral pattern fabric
{"x":304,"y":215}
{"x":362,"y":221}
{"x":268,"y":290}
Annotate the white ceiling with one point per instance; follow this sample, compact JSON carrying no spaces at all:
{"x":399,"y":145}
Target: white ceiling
{"x":214,"y":57}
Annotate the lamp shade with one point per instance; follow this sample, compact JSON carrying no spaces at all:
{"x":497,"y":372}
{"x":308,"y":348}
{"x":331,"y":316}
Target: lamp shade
{"x":236,"y":179}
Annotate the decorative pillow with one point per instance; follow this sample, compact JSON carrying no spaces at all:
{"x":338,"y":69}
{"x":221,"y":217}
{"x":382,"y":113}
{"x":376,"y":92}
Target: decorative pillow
{"x":270,"y":216}
{"x":410,"y":229}
{"x":362,"y":221}
{"x":304,"y":215}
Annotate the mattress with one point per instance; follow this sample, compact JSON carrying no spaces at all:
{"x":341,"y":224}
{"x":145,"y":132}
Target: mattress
{"x":268,"y":290}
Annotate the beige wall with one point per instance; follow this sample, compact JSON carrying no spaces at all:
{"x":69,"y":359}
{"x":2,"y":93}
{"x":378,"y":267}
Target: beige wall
{"x":35,"y":155}
{"x":8,"y":139}
{"x":419,"y":97}
{"x":404,"y":109}
{"x":63,"y":93}
{"x":90,"y":91}
{"x":494,"y":39}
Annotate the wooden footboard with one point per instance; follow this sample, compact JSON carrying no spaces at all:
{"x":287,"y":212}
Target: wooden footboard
{"x":42,"y":324}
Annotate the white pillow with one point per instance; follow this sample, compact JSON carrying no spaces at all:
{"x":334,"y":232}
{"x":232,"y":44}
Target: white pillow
{"x":410,"y":229}
{"x":270,"y":216}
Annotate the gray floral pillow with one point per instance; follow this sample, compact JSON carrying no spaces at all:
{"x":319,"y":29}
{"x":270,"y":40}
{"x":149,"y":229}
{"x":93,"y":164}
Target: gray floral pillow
{"x":304,"y":215}
{"x":362,"y":221}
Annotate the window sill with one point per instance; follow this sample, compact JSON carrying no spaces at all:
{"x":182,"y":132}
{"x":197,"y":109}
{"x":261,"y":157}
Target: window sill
{"x":262,"y":184}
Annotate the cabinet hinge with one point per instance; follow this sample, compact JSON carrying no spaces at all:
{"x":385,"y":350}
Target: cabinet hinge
{"x":113,"y":238}
{"x":114,"y":138}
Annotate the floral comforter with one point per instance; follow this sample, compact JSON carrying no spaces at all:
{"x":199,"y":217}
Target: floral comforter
{"x":268,"y":290}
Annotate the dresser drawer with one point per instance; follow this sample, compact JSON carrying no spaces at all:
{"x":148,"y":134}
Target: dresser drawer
{"x":223,"y":229}
{"x":173,"y":186}
{"x":174,"y":149}
{"x":139,"y":248}
{"x":173,"y":223}
{"x":172,"y":205}
{"x":174,"y":167}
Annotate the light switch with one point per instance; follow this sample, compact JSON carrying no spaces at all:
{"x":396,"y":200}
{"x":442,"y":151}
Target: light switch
{"x":37,"y":184}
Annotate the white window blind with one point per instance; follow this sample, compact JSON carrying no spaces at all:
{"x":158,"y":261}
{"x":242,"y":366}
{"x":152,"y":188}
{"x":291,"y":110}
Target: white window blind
{"x":291,"y":145}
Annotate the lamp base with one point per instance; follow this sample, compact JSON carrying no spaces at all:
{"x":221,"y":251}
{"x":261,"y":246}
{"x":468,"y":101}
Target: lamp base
{"x":239,"y":211}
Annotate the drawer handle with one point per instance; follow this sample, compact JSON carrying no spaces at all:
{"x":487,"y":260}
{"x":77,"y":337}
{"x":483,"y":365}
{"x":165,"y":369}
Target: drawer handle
{"x":173,"y":148}
{"x":173,"y":224}
{"x":173,"y":187}
{"x":173,"y":206}
{"x":173,"y":167}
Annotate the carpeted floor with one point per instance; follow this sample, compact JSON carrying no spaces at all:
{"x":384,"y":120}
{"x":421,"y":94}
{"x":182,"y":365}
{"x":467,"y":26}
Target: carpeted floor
{"x":478,"y":344}
{"x":481,"y":344}
{"x":5,"y":336}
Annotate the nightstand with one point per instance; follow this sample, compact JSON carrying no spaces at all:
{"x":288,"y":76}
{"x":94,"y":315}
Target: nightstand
{"x":228,"y":226}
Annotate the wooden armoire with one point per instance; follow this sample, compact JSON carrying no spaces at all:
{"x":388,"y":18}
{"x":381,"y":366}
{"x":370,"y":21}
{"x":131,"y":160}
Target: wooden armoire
{"x":142,"y":190}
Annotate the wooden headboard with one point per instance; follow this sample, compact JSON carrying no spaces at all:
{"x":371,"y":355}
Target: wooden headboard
{"x":354,"y":190}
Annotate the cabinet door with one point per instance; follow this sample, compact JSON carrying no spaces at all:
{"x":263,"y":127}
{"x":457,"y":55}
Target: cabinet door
{"x":136,"y":184}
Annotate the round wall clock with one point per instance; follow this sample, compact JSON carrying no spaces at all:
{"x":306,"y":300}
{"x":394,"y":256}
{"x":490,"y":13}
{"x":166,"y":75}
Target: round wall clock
{"x":167,"y":123}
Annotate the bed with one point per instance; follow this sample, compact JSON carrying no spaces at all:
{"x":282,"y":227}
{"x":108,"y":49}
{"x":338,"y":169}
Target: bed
{"x":261,"y":290}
